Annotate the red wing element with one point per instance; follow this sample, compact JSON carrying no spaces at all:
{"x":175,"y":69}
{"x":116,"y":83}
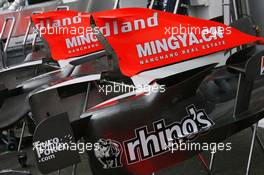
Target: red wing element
{"x":261,"y":42}
{"x":68,"y":33}
{"x":153,"y":39}
{"x":114,"y":17}
{"x":144,"y":39}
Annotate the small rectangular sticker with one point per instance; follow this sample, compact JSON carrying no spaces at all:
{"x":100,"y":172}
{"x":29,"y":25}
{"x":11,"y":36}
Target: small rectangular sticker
{"x":262,"y":66}
{"x":68,"y":1}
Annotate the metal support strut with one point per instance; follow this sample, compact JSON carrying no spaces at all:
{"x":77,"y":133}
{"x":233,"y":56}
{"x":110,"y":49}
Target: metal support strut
{"x":21,"y":136}
{"x":11,"y":29}
{"x":204,"y":163}
{"x":176,"y":7}
{"x":251,"y":148}
{"x":212,"y":158}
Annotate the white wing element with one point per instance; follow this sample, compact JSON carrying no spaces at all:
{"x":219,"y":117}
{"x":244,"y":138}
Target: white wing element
{"x":147,"y":77}
{"x":261,"y":123}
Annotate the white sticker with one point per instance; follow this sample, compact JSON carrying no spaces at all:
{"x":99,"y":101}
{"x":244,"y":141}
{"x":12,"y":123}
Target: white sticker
{"x":262,"y":66}
{"x":68,"y":1}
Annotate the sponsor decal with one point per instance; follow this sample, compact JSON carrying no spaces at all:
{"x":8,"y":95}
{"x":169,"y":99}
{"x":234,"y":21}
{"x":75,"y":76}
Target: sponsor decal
{"x":148,"y":144}
{"x":47,"y":23}
{"x":109,"y":153}
{"x":85,"y":39}
{"x":52,"y":144}
{"x":186,"y":44}
{"x":109,"y":29}
{"x":262,"y":66}
{"x":48,"y":149}
{"x":152,"y":142}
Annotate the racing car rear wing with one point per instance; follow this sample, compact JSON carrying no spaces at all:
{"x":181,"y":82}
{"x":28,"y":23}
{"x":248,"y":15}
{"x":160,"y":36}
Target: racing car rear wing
{"x":147,"y":35}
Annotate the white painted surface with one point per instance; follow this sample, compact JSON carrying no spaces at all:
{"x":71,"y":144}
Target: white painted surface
{"x":28,"y":64}
{"x":261,"y":123}
{"x":73,"y":81}
{"x":67,"y":1}
{"x":147,"y":77}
